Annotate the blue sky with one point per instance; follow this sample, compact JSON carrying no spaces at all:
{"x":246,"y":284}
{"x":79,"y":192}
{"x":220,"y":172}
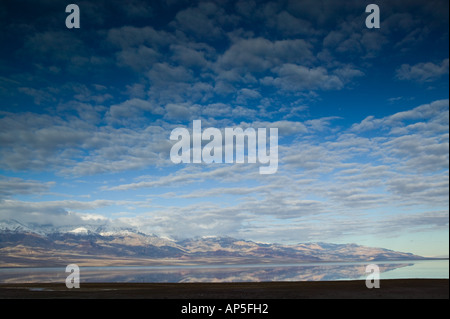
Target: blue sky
{"x":362,"y":115}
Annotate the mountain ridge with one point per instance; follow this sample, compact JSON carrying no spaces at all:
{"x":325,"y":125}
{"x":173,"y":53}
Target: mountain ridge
{"x":20,"y":246}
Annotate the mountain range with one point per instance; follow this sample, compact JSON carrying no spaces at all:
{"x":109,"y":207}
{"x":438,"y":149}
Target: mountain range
{"x":29,"y":246}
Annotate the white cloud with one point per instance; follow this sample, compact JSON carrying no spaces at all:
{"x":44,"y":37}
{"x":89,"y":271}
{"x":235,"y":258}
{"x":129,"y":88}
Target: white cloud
{"x":11,"y":186}
{"x":244,"y":95}
{"x":139,"y":58}
{"x":129,"y":36}
{"x":422,"y":72}
{"x":181,"y":111}
{"x":289,"y":25}
{"x":259,"y":54}
{"x":434,"y":112}
{"x":184,"y":176}
{"x":75,"y":147}
{"x":205,"y":21}
{"x":56,"y":44}
{"x":133,"y":107}
{"x":54,"y":213}
{"x":292,"y":77}
{"x":192,"y":55}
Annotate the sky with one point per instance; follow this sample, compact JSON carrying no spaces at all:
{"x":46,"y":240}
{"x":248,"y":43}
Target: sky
{"x":362,"y":116}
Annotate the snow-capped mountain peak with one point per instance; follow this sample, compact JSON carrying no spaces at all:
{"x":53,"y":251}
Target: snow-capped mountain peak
{"x":79,"y":231}
{"x":13,"y":225}
{"x":106,"y":229}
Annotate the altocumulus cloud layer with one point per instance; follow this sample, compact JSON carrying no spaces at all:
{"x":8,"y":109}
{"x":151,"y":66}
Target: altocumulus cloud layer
{"x":362,"y":115}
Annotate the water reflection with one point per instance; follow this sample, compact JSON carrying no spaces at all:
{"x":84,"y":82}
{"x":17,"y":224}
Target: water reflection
{"x":236,"y":273}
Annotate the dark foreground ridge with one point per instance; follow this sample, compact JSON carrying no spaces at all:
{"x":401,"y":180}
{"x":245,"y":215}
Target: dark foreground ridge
{"x":355,"y":289}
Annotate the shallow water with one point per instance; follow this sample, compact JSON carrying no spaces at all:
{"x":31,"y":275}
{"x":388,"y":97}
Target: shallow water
{"x":233,"y":273}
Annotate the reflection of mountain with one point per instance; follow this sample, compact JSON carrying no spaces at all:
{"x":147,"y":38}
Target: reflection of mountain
{"x":308,"y":272}
{"x":186,"y":274}
{"x":21,"y":246}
